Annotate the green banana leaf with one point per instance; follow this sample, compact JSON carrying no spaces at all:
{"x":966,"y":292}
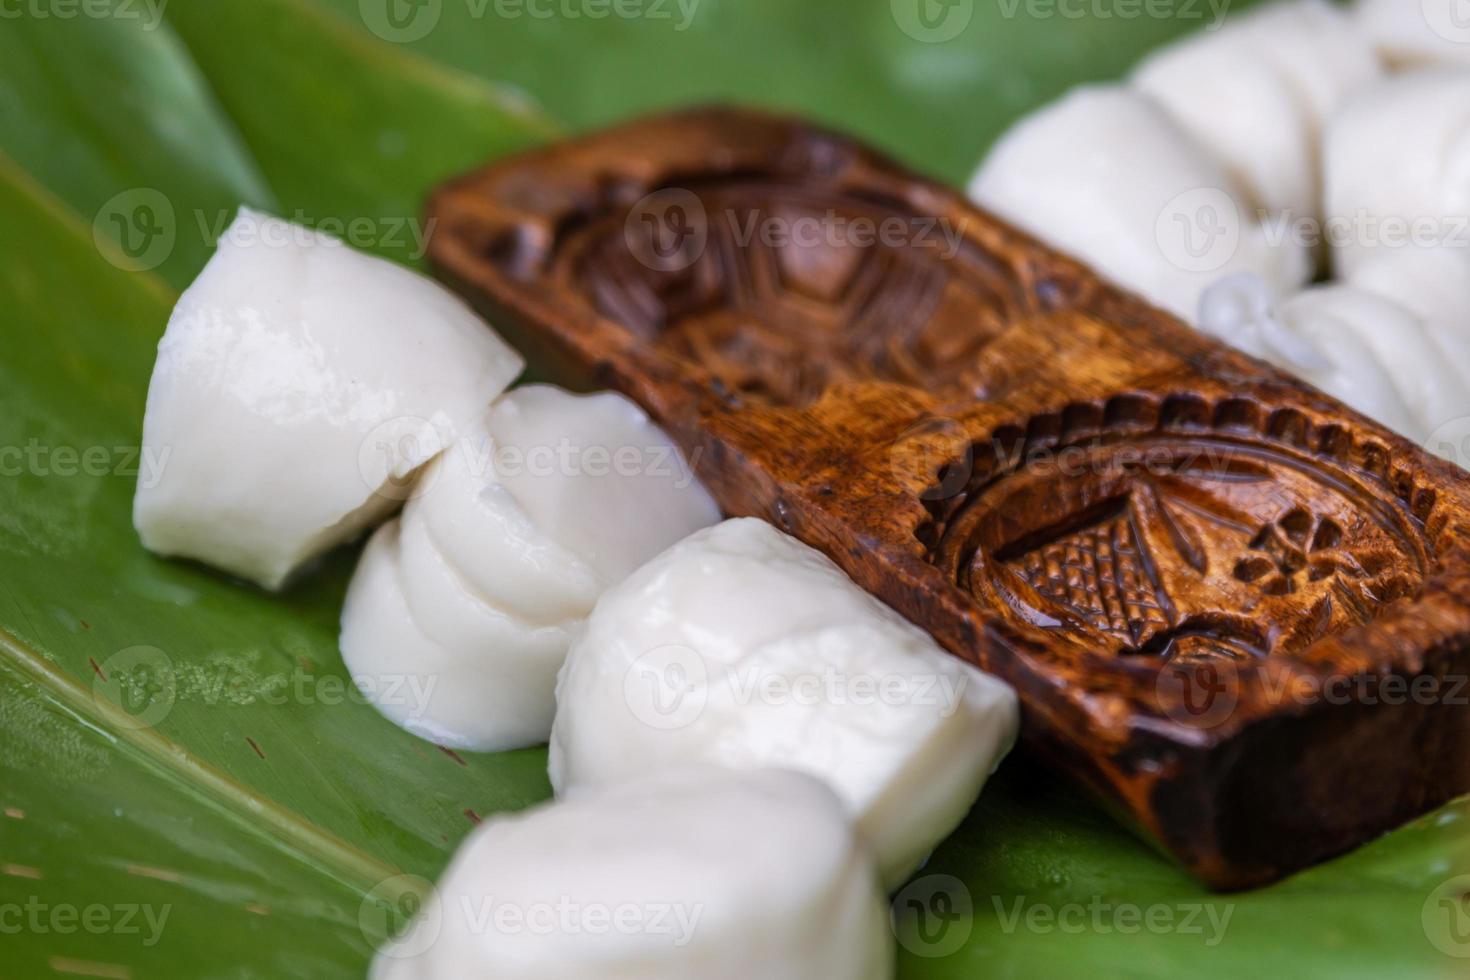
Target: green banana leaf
{"x":934,"y":96}
{"x":188,"y":784}
{"x":113,"y":116}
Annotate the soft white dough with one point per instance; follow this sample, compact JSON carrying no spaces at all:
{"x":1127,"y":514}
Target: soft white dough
{"x":282,"y":366}
{"x":490,"y":689}
{"x":1257,"y":92}
{"x":1434,"y":283}
{"x":695,"y":872}
{"x":1424,"y":376}
{"x":484,"y":532}
{"x":441,"y":601}
{"x":1106,"y":174}
{"x":1245,"y":312}
{"x":597,"y":476}
{"x":1241,"y":310}
{"x":1397,"y":168}
{"x":1365,"y":349}
{"x":501,"y":553}
{"x":1415,"y":33}
{"x":687,"y":661}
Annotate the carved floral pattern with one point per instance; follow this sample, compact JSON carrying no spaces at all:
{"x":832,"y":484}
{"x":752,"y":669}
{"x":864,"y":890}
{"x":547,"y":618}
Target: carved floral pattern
{"x":1296,"y":547}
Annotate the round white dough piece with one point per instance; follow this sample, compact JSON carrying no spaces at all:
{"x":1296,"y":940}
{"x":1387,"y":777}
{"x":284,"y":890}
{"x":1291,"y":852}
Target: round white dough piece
{"x":483,"y":531}
{"x":1397,"y":168}
{"x":482,"y":681}
{"x":509,"y":539}
{"x":1416,"y":33}
{"x":1242,"y":310}
{"x":1257,"y":92}
{"x":286,"y":368}
{"x":1105,"y":174}
{"x":555,"y":496}
{"x":694,"y":872}
{"x":741,"y":646}
{"x":597,"y":476}
{"x":1362,"y":348}
{"x":1425,"y":378}
{"x":1433,"y":283}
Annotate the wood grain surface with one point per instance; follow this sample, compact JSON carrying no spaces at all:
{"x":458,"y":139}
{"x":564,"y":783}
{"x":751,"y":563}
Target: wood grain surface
{"x":1234,"y":608}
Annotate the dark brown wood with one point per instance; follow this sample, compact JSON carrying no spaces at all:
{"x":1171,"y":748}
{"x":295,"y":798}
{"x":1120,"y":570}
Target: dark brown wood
{"x":1236,"y":609}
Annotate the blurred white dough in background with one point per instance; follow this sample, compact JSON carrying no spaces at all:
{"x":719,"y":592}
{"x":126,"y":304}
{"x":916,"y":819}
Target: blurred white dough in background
{"x":1397,"y":169}
{"x":1432,"y":282}
{"x":1415,"y":33}
{"x":1367,"y":350}
{"x":1257,"y":92}
{"x":1106,"y":175}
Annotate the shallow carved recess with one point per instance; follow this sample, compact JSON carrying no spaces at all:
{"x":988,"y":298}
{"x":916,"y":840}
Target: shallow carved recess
{"x":1177,"y":529}
{"x":1223,"y":529}
{"x":780,"y":289}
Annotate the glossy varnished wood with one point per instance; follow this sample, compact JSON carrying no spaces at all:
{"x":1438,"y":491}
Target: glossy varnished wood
{"x":1215,"y":587}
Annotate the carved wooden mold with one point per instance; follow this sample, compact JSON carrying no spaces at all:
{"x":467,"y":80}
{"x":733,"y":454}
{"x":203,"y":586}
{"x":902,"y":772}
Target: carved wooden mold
{"x":1237,"y":610}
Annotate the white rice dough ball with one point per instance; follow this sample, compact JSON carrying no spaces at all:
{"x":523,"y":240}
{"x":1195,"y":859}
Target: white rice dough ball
{"x":1364,"y":349}
{"x":1257,"y":93}
{"x":1397,"y":168}
{"x":1433,"y":283}
{"x":286,"y":368}
{"x":466,"y":607}
{"x":691,"y":872}
{"x":1107,"y":175}
{"x":1415,"y":33}
{"x":741,"y":646}
{"x":483,"y":679}
{"x":596,"y":476}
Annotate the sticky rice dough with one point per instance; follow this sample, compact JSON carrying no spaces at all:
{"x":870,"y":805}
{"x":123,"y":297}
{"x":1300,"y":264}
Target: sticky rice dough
{"x":1257,"y":92}
{"x":461,"y":612}
{"x":1106,"y":175}
{"x":741,"y":646}
{"x":693,"y":872}
{"x":298,"y":386}
{"x":1412,"y":34}
{"x":1369,"y":351}
{"x":1397,"y":169}
{"x":1432,"y":283}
